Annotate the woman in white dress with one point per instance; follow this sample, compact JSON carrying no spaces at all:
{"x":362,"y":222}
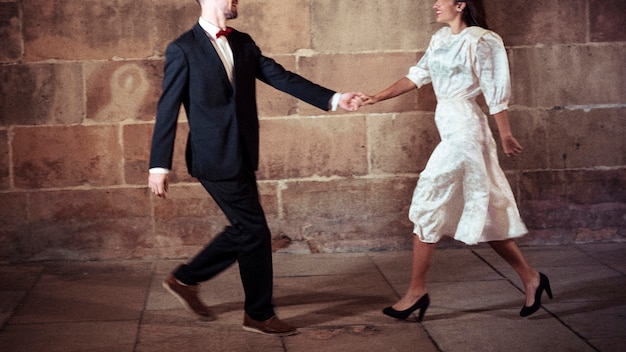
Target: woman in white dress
{"x":463,"y":192}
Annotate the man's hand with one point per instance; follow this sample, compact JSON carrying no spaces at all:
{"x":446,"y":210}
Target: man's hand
{"x":351,"y":101}
{"x":159,"y":184}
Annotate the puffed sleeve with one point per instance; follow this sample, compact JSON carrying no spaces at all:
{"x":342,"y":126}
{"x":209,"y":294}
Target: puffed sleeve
{"x":492,"y":68}
{"x":420,"y":74}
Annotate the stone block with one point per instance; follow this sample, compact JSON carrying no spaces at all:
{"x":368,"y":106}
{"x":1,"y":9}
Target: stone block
{"x":122,"y":90}
{"x":541,"y":79}
{"x":529,"y":22}
{"x":41,"y":94}
{"x":272,"y":102}
{"x":14,"y":216}
{"x":303,"y":147}
{"x":573,"y":199}
{"x":400,"y":143}
{"x":5,"y":166}
{"x":349,"y":214}
{"x":171,"y":19}
{"x":10,"y":32}
{"x":276,"y":29}
{"x":353,"y":72}
{"x":607,"y":19}
{"x":584,"y":138}
{"x":66,"y":156}
{"x":86,"y":29}
{"x":379,"y":26}
{"x":137,"y":144}
{"x":85,"y":224}
{"x":529,"y":128}
{"x":186,"y":220}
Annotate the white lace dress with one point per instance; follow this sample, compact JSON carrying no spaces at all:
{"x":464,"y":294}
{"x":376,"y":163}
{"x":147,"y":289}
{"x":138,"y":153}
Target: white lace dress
{"x":463,"y":192}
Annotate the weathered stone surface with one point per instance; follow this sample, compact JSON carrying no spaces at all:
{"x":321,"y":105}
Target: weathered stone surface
{"x":86,"y":29}
{"x":10,"y":32}
{"x":405,"y":25}
{"x":530,"y":22}
{"x":574,"y":199}
{"x":170,"y":19}
{"x":122,"y":90}
{"x":270,"y":101}
{"x":41,"y":94}
{"x":338,"y":72}
{"x":276,"y":29}
{"x":46,"y":157}
{"x":401,"y":143}
{"x":607,"y":19}
{"x":586,"y":138}
{"x":349,"y":214}
{"x":305,"y":147}
{"x":80,"y":81}
{"x":540,"y":78}
{"x":4,"y":160}
{"x":87,"y":224}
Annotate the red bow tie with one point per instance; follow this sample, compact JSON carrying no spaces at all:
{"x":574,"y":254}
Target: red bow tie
{"x":224,"y":32}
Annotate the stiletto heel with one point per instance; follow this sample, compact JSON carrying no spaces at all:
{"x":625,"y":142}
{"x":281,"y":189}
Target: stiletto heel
{"x":544,"y":284}
{"x":421,"y":304}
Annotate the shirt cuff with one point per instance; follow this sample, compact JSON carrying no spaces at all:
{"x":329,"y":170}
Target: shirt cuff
{"x":334,"y":102}
{"x":159,"y":170}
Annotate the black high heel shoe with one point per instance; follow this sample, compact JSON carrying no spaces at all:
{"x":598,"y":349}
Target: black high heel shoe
{"x":544,"y":284}
{"x":421,"y":304}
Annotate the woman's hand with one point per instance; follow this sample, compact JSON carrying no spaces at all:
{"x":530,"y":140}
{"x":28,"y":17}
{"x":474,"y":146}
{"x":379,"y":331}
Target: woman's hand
{"x":511,"y":146}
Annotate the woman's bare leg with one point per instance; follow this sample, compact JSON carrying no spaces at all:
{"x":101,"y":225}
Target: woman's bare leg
{"x":510,"y":252}
{"x":422,"y":257}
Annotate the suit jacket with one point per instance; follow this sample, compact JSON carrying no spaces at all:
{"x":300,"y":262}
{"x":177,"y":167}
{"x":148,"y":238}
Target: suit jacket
{"x":223,"y":120}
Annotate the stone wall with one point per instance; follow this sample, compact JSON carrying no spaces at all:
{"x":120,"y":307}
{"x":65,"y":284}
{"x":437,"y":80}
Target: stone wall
{"x":80,"y":79}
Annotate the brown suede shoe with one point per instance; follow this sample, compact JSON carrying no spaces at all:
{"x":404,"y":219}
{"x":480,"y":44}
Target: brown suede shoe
{"x":272,"y":326}
{"x":188,"y":296}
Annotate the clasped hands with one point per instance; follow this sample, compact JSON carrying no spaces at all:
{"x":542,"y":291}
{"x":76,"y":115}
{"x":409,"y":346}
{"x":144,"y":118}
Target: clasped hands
{"x":352,"y":101}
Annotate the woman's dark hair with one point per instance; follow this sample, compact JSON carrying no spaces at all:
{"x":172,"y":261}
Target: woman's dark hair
{"x":474,"y":13}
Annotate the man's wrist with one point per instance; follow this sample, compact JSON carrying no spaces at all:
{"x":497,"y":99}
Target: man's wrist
{"x":159,"y":170}
{"x":334,"y":101}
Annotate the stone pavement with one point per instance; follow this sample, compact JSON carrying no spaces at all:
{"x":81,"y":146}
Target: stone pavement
{"x":334,"y":300}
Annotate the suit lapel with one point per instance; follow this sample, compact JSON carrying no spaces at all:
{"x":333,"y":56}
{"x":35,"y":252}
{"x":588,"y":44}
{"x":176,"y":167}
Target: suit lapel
{"x":212,"y":57}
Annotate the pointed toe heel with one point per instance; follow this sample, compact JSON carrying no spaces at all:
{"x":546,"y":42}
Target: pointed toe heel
{"x":544,"y":285}
{"x":421,"y":304}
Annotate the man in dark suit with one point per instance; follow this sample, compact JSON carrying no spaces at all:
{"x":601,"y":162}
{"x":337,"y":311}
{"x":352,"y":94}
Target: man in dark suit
{"x":211,"y":70}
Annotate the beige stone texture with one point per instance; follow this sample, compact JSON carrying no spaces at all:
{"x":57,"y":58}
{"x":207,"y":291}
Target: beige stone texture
{"x":349,"y":214}
{"x":325,"y":146}
{"x":368,"y":73}
{"x":401,"y":143}
{"x":66,"y":156}
{"x":10,"y":32}
{"x":276,"y":29}
{"x":41,"y":94}
{"x":170,"y":19}
{"x":530,"y":128}
{"x":122,"y":90}
{"x":353,"y":25}
{"x":564,"y":75}
{"x":530,"y":22}
{"x":272,"y":102}
{"x":85,"y":224}
{"x":586,"y":138}
{"x":80,"y":81}
{"x":87,"y":29}
{"x":573,"y":199}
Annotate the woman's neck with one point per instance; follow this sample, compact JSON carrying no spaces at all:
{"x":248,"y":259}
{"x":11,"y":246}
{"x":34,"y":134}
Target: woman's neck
{"x":457,"y":26}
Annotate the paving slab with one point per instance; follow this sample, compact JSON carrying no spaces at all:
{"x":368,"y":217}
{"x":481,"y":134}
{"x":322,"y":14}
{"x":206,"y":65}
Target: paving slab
{"x":334,"y":300}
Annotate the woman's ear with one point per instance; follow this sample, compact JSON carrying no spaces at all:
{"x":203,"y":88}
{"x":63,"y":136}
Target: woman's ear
{"x":460,"y":6}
